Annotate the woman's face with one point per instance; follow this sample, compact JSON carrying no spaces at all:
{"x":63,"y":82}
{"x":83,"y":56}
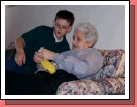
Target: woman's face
{"x":79,"y":41}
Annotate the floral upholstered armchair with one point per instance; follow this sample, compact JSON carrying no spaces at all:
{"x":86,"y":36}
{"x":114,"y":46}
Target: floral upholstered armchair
{"x":109,"y":80}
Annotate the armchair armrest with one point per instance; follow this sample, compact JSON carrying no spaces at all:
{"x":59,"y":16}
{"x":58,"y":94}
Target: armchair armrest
{"x":10,"y":51}
{"x":93,"y":87}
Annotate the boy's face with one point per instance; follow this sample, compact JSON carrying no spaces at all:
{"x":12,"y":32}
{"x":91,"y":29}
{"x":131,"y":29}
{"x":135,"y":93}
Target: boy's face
{"x":61,"y":28}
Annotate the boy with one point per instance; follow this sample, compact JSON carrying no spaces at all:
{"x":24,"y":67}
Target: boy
{"x":51,"y":38}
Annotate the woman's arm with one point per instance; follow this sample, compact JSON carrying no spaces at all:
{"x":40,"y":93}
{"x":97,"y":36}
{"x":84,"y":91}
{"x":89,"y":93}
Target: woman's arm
{"x":77,"y":66}
{"x":81,"y":65}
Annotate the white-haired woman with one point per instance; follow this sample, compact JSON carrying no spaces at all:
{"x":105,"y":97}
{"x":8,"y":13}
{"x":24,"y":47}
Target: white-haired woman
{"x":79,"y":63}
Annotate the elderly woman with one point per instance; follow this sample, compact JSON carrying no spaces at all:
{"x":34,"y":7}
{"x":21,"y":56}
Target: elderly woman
{"x":80,"y":63}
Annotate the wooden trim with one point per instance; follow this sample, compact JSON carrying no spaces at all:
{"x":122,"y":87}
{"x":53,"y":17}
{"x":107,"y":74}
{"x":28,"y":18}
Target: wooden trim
{"x":9,"y":6}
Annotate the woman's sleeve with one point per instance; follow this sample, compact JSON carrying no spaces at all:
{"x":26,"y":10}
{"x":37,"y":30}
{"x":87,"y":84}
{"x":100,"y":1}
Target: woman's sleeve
{"x":39,"y":69}
{"x":81,"y":66}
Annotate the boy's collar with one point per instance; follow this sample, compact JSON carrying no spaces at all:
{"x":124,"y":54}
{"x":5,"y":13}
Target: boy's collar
{"x":56,"y":40}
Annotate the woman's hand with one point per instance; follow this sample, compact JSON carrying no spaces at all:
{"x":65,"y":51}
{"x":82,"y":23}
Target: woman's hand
{"x":46,"y":54}
{"x":36,"y":58}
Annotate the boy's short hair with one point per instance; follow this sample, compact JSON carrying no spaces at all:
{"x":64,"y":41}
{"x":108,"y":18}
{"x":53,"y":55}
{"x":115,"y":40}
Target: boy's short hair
{"x":67,"y":15}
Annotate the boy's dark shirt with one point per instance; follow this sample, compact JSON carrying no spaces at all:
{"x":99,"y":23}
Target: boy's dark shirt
{"x":41,"y":36}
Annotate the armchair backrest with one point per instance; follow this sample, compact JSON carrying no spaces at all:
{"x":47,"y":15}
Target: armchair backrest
{"x":113,"y":64}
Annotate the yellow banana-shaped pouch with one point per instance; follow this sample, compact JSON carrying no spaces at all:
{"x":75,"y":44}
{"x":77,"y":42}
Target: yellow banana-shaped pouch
{"x":48,"y":66}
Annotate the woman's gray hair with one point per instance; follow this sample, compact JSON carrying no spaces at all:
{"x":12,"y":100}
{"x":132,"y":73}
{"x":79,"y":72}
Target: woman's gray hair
{"x":89,"y":30}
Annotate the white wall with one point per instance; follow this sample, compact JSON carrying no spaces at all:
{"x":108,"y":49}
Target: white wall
{"x":108,"y":19}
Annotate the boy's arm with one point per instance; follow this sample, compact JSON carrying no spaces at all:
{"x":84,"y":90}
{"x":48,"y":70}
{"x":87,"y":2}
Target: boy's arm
{"x":20,"y":57}
{"x":19,"y":44}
